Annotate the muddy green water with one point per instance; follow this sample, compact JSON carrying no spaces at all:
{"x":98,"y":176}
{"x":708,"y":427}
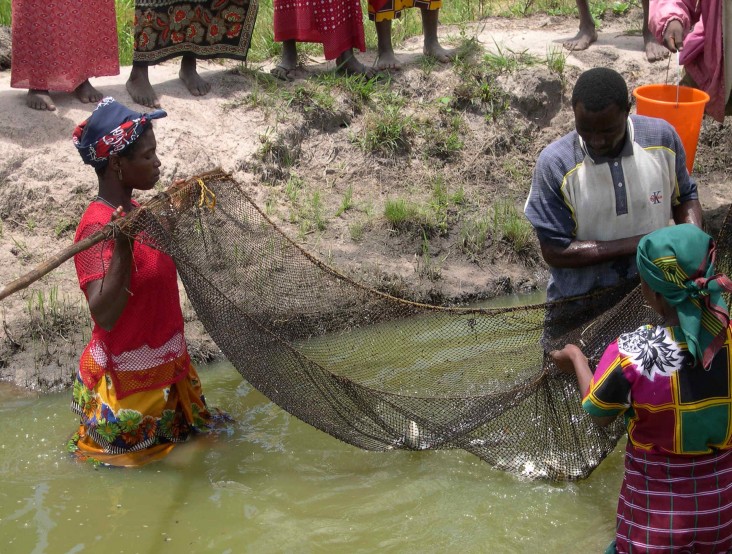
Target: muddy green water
{"x":274,"y":484}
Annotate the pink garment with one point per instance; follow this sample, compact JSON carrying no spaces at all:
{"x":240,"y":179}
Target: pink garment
{"x":703,"y":50}
{"x":59,"y":44}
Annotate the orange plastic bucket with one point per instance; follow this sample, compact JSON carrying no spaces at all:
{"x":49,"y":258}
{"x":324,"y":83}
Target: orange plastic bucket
{"x":685,"y":111}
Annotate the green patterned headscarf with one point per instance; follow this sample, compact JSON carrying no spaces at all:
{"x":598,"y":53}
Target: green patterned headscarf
{"x":678,"y":262}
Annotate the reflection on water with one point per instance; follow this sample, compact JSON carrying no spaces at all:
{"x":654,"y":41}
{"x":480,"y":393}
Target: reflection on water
{"x":511,"y":300}
{"x":274,"y":484}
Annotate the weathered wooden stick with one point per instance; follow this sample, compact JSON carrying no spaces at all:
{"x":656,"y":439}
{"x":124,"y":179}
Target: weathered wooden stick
{"x":53,"y":262}
{"x":180,"y":196}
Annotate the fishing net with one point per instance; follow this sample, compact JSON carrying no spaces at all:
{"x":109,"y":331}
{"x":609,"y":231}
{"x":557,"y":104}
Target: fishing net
{"x":379,"y":372}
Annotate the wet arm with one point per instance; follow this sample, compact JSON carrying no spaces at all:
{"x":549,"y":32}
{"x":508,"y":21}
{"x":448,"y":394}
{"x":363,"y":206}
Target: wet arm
{"x":688,"y":212}
{"x":582,"y":253}
{"x":571,"y":360}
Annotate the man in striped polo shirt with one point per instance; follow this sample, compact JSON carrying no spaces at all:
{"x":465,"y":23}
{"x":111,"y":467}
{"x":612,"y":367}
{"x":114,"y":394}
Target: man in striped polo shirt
{"x":597,"y":190}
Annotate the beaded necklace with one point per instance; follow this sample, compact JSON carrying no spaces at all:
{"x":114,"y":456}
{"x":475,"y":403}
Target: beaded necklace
{"x":105,"y":201}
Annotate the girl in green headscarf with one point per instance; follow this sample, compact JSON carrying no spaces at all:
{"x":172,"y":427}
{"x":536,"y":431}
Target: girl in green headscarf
{"x":673,"y":383}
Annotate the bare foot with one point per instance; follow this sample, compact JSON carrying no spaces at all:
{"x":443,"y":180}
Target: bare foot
{"x":654,"y":50}
{"x":285,"y":73}
{"x":436,"y":51}
{"x":190,"y":77}
{"x":388,"y":61}
{"x":139,"y":87}
{"x":348,"y":64}
{"x":288,"y":69}
{"x":87,"y":93}
{"x":582,"y":40}
{"x":432,"y":45}
{"x":39,"y":100}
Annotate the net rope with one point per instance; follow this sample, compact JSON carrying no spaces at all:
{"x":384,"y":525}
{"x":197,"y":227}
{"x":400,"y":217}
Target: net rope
{"x":379,"y":372}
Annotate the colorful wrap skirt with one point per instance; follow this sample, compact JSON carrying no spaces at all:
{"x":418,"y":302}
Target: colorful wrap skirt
{"x":679,"y":504}
{"x":385,"y":10}
{"x":141,"y":427}
{"x":206,"y":29}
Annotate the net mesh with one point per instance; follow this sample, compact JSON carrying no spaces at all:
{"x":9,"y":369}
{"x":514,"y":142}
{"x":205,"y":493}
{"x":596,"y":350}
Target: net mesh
{"x":376,"y":371}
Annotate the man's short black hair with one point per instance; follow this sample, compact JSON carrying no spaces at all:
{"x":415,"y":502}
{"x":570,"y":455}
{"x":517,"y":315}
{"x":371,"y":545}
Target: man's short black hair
{"x":600,"y":87}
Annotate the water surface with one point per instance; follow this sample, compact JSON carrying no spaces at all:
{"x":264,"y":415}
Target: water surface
{"x":275,"y":484}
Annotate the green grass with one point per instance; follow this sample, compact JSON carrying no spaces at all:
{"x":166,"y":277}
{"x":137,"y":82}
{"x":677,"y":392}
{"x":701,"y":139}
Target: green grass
{"x":505,"y":60}
{"x":429,"y":218}
{"x":501,"y":224}
{"x":346,"y":201}
{"x":5,"y":12}
{"x":511,"y":227}
{"x":125,"y":29}
{"x":399,"y":213}
{"x":309,"y":216}
{"x":387,"y":132}
{"x":474,"y":234}
{"x":556,"y":59}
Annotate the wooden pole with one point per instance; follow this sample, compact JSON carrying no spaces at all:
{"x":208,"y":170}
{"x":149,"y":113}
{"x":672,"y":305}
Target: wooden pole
{"x":55,"y":261}
{"x":180,"y":196}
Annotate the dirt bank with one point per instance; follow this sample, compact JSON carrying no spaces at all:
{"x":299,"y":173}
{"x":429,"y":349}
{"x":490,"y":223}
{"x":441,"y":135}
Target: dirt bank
{"x":454,"y":146}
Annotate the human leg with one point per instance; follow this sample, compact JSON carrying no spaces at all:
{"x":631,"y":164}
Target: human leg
{"x":190,"y":77}
{"x":432,"y":46}
{"x":385,"y":51}
{"x":654,"y":50}
{"x":139,"y":87}
{"x":287,"y":69}
{"x":348,"y":64}
{"x":587,"y":33}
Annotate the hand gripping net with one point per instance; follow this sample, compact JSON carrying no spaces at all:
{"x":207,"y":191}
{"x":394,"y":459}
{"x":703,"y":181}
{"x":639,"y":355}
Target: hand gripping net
{"x":378,"y":372}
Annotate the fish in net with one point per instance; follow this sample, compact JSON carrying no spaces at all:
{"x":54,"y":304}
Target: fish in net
{"x":379,"y":372}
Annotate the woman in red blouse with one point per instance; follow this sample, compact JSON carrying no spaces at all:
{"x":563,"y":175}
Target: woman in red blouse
{"x":136,"y":392}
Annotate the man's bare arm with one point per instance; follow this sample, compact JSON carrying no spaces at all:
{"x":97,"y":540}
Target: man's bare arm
{"x":688,"y":212}
{"x":582,"y":253}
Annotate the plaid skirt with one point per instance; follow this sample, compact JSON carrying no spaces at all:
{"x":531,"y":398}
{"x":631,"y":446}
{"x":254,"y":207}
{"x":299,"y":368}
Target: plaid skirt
{"x":679,"y":504}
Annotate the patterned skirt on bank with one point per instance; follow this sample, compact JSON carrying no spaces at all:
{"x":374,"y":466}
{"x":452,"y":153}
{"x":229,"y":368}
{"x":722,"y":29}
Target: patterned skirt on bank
{"x":207,"y":29}
{"x":57,"y":45}
{"x":141,"y":427}
{"x":336,"y":24}
{"x":675,"y":504}
{"x":384,"y":10}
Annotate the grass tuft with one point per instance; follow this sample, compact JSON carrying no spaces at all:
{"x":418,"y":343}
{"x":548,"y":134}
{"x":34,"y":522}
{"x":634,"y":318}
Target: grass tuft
{"x":387,"y":132}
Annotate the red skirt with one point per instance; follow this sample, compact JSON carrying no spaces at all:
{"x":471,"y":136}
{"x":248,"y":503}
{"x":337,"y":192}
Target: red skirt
{"x":675,"y":503}
{"x":336,"y":24}
{"x":57,"y":44}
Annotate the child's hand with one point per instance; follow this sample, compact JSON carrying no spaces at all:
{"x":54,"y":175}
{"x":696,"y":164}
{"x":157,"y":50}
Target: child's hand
{"x":567,"y":358}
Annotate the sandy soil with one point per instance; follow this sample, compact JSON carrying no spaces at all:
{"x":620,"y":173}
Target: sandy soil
{"x":45,"y":187}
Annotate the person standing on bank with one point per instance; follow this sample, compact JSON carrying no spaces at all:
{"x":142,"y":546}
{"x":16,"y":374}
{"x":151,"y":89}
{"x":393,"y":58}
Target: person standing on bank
{"x":699,"y":31}
{"x":58,"y":45}
{"x":587,"y":33}
{"x":191,"y":30}
{"x":383,"y":12}
{"x":596,"y":191}
{"x":336,"y":24}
